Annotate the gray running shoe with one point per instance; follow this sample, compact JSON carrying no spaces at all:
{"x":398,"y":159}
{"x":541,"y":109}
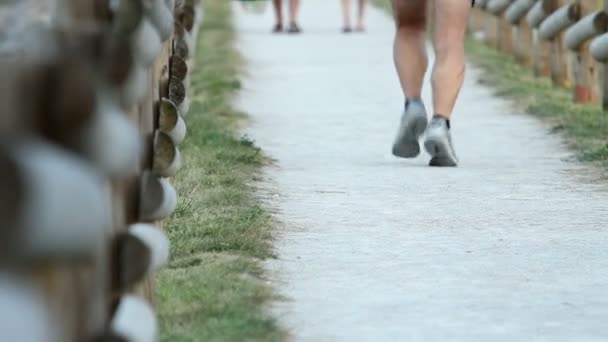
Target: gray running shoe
{"x":438,"y":144}
{"x":413,"y":124}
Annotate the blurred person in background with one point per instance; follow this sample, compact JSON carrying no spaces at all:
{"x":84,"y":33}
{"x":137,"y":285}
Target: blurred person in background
{"x":294,"y":6}
{"x":450,"y":18}
{"x":346,"y":8}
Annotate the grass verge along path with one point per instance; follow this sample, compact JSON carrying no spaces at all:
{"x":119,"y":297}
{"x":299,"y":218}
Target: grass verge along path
{"x":213,"y":289}
{"x":585,"y":126}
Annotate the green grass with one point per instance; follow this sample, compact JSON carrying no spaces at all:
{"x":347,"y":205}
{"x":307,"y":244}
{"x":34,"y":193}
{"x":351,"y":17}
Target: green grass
{"x":585,"y":127}
{"x":383,"y":4}
{"x":214,"y":287}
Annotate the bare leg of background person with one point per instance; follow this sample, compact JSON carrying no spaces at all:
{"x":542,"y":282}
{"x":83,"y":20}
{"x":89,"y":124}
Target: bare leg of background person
{"x":278,"y":14}
{"x":294,"y":8}
{"x":451,"y":17}
{"x":361,"y":16}
{"x":409,"y":49}
{"x":346,"y":15}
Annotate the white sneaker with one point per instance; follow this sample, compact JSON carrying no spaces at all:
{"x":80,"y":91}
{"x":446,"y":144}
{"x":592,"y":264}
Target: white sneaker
{"x":438,"y":144}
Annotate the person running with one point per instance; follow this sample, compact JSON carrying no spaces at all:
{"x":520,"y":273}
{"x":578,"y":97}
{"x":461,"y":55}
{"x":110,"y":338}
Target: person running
{"x":450,"y":21}
{"x":294,"y":6}
{"x":360,"y":27}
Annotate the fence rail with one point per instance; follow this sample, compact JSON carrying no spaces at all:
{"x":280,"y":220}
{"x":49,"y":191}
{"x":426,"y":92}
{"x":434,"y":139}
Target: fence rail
{"x":564,"y":40}
{"x":92,"y":111}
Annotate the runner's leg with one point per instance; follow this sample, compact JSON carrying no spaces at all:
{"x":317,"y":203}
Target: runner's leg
{"x":451,"y":18}
{"x":410,"y":58}
{"x":410,"y":45}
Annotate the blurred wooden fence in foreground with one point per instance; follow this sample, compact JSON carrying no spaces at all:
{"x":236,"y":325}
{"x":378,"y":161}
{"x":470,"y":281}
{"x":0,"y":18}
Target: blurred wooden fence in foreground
{"x":92,"y":107}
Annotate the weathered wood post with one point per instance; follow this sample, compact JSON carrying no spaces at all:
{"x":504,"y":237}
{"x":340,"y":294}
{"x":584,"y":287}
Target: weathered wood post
{"x":576,"y":38}
{"x":599,"y":51}
{"x":504,"y":40}
{"x":477,"y":17}
{"x":551,"y":30}
{"x":522,"y":34}
{"x":542,"y":49}
{"x":604,"y":76}
{"x":490,"y":24}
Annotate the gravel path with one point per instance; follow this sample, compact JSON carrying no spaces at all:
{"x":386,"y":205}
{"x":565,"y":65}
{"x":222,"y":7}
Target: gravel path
{"x":510,"y":246}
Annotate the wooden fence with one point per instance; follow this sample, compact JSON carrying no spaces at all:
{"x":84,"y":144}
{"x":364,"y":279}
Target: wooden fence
{"x":564,"y":40}
{"x":92,"y":106}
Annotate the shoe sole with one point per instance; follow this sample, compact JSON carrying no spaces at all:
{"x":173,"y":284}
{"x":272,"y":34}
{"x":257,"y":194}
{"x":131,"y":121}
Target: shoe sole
{"x":407,"y":144}
{"x":440,"y":151}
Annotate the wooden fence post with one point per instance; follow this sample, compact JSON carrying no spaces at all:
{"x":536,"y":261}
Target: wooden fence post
{"x":81,"y":291}
{"x":502,"y":33}
{"x":491,"y":30}
{"x":577,"y":39}
{"x":605,"y":75}
{"x":537,"y":14}
{"x":476,"y":22}
{"x":524,"y":39}
{"x":551,"y":29}
{"x":505,"y":36}
{"x":521,"y":32}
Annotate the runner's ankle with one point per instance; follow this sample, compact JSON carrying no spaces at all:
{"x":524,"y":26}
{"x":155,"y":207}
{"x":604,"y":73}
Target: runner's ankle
{"x":442,"y":117}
